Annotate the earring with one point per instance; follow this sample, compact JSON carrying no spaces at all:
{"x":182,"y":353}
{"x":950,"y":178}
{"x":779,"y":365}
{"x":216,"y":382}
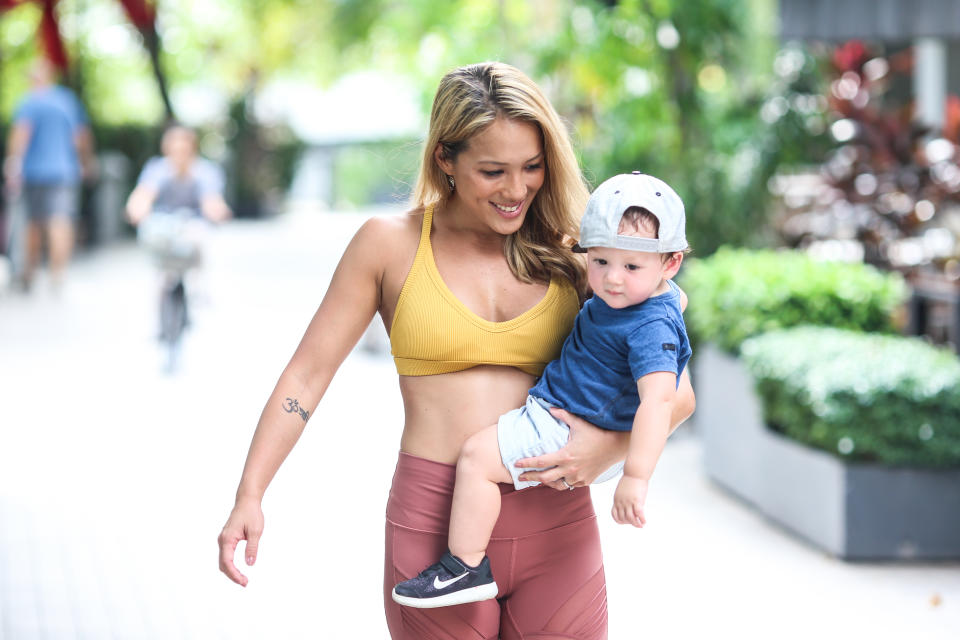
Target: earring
{"x":451,"y":182}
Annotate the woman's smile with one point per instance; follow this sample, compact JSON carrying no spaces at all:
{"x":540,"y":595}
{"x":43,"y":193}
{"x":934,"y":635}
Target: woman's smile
{"x":508,"y":210}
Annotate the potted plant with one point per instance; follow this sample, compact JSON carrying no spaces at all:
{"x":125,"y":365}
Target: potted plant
{"x":848,"y":437}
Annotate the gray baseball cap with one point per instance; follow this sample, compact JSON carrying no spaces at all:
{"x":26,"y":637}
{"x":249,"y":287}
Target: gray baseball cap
{"x":614,"y":196}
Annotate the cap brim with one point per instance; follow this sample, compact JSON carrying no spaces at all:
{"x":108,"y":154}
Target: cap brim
{"x":577,"y":248}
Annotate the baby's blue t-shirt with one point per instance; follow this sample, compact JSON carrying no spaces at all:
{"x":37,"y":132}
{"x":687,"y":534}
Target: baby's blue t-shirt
{"x":608,"y":350}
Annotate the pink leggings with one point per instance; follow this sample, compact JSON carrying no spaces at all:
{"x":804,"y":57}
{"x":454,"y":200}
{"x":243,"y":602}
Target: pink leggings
{"x":545,"y":553}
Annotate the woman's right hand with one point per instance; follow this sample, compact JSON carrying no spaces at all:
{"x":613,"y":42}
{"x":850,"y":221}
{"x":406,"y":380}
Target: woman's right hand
{"x":245,"y":523}
{"x":589,"y":452}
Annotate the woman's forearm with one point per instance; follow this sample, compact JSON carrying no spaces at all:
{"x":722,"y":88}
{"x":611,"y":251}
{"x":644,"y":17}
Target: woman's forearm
{"x":280,"y":426}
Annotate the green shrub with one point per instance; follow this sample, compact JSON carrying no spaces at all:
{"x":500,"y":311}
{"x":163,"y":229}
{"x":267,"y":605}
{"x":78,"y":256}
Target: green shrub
{"x":867,"y":397}
{"x":737,"y":293}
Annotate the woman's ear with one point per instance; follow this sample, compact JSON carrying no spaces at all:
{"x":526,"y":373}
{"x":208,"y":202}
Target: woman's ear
{"x":445,"y":165}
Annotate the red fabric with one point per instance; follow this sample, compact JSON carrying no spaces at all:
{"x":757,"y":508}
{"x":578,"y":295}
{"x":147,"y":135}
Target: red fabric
{"x":50,"y":36}
{"x":545,"y":555}
{"x":49,"y":32}
{"x":141,"y":13}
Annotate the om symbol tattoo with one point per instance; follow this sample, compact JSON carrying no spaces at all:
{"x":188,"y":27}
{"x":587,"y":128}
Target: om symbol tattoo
{"x":291,"y":405}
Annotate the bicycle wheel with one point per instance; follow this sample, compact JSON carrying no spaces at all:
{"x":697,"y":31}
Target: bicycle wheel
{"x":173,"y":319}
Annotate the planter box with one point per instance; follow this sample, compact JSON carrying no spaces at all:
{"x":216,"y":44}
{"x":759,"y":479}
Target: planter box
{"x":853,"y":511}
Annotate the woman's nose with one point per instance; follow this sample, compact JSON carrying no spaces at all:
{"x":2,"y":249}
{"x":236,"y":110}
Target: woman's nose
{"x":515,"y":188}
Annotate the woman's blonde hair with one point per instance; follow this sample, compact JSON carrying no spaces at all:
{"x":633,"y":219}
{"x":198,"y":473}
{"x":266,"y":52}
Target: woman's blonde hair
{"x":468,"y":100}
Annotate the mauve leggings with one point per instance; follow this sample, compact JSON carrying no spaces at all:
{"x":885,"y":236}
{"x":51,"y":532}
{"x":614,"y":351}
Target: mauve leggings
{"x":545,"y":553}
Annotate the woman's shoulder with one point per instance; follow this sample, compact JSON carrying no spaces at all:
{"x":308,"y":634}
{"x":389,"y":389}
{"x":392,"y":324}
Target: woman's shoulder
{"x":391,"y":229}
{"x":388,"y":238}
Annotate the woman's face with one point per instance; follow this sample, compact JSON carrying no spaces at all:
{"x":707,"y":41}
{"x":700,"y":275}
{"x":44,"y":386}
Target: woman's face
{"x":497,"y":175}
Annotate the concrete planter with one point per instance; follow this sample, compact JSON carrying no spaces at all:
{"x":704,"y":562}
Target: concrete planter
{"x":853,"y":511}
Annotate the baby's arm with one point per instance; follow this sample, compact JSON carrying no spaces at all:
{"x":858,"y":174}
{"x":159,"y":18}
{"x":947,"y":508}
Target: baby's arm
{"x":651,"y":426}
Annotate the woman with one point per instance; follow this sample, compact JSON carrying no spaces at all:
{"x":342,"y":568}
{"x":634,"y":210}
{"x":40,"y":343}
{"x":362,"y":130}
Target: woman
{"x":478,"y":288}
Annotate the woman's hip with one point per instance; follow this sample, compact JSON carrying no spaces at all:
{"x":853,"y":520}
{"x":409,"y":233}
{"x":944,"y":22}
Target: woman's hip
{"x":422,"y":492}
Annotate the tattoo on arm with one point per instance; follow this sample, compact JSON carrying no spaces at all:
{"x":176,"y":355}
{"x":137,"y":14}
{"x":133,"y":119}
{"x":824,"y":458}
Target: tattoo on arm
{"x":290,"y":405}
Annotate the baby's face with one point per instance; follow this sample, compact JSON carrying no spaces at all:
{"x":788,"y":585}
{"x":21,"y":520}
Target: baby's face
{"x":623,"y":278}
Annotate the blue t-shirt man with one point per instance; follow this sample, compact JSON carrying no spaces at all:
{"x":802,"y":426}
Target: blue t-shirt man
{"x":55,"y":117}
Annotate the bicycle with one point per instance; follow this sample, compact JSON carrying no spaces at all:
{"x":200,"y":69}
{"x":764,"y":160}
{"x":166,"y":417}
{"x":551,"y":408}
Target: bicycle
{"x":175,"y":240}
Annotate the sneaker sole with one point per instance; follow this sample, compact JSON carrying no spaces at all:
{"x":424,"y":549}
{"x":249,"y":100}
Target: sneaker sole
{"x":473,"y":594}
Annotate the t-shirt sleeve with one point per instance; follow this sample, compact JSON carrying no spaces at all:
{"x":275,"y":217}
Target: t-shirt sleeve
{"x":79,"y":113}
{"x":25,"y":112}
{"x":655,"y":346}
{"x":153,"y":174}
{"x":209,"y":177}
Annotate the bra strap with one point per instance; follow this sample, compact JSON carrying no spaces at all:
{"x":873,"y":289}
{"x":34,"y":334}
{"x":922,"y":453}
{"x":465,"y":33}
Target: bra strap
{"x":426,"y":225}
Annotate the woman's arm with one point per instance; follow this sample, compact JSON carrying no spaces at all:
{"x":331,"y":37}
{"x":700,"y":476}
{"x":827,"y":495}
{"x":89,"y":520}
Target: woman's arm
{"x":347,"y":308}
{"x":591,"y":450}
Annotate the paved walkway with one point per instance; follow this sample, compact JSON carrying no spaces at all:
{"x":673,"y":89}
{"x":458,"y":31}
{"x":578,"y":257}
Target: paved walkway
{"x":115,"y":480}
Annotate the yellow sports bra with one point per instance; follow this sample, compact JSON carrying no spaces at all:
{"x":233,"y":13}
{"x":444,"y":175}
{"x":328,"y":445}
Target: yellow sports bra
{"x":433,"y":332}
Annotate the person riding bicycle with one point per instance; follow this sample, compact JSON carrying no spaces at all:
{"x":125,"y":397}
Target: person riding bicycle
{"x":179,"y":179}
{"x":178,"y":195}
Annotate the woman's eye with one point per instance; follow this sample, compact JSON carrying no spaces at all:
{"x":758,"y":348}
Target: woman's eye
{"x":534,"y":167}
{"x":492,"y":174}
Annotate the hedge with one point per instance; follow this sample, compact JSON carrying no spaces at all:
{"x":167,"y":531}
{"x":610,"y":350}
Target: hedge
{"x":865,"y":397}
{"x":738,"y":293}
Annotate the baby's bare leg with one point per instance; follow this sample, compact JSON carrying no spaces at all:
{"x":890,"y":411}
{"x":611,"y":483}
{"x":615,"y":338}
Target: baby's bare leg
{"x":476,"y":496}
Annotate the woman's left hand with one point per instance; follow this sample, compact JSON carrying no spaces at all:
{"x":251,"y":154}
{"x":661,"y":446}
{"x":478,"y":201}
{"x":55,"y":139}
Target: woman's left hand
{"x":589,"y":452}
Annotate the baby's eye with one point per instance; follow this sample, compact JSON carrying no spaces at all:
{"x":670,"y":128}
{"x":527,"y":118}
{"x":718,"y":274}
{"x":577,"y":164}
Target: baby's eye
{"x":600,"y":261}
{"x":632,"y":267}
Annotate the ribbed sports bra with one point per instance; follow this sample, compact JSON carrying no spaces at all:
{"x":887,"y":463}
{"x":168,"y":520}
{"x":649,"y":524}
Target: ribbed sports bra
{"x":433,"y":332}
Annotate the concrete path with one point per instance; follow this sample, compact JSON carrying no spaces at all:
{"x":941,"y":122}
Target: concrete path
{"x":115,"y":480}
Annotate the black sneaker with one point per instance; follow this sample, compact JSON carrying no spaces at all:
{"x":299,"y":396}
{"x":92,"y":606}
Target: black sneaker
{"x":447,"y":583}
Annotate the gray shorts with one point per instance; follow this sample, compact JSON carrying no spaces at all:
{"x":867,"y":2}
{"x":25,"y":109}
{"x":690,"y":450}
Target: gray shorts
{"x":531,"y":431}
{"x":45,"y":201}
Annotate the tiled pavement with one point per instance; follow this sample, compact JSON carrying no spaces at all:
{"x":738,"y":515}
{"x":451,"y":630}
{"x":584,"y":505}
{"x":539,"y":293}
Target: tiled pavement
{"x":115,"y":480}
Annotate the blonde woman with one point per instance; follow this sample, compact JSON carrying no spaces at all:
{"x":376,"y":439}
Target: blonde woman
{"x":478,"y":287}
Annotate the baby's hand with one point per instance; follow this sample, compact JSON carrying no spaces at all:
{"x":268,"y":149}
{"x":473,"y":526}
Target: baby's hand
{"x":628,"y":501}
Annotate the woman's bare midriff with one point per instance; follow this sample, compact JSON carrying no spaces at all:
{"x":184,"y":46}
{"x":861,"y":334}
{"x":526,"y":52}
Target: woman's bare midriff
{"x":442,"y":411}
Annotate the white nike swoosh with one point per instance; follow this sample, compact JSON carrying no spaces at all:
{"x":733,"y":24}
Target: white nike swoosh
{"x":442,"y":584}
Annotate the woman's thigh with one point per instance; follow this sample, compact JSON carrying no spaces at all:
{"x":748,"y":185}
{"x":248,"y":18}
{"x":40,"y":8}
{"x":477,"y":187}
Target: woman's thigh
{"x":407,"y":553}
{"x":418,"y":516}
{"x":557,"y":586}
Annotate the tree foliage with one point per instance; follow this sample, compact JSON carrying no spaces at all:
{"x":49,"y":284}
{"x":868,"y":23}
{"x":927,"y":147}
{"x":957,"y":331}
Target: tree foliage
{"x":669,"y":87}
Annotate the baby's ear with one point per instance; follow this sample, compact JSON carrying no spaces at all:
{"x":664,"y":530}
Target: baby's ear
{"x":672,"y":265}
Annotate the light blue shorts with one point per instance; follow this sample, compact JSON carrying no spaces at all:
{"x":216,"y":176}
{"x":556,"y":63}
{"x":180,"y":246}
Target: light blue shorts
{"x":531,"y":431}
